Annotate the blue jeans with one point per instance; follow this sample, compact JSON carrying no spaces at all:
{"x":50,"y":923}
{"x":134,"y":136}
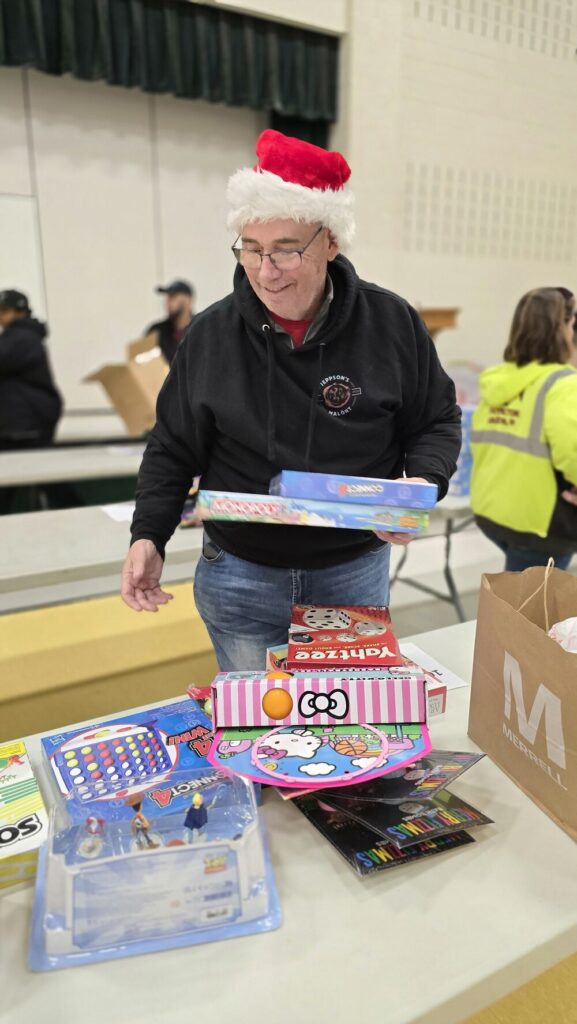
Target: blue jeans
{"x":517,"y":559}
{"x":247,"y":607}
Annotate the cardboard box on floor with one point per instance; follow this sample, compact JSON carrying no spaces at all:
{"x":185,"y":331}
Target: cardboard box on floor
{"x":133,"y":386}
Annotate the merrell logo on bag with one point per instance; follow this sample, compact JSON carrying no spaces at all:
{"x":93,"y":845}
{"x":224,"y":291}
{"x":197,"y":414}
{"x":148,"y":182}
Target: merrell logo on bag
{"x":546,"y":705}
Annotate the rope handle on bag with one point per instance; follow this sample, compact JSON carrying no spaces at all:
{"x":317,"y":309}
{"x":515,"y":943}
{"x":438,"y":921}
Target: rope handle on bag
{"x":542,"y":586}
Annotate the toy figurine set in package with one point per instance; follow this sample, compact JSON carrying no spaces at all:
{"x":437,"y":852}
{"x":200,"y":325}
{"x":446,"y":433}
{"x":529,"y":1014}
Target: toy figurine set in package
{"x":149,"y":846}
{"x":181,"y":862}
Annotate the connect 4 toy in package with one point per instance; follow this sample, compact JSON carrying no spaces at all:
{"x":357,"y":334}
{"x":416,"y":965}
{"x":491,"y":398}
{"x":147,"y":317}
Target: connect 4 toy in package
{"x":321,"y":636}
{"x":101,"y":760}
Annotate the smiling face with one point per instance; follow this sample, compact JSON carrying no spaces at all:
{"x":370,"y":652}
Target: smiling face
{"x":293,"y":294}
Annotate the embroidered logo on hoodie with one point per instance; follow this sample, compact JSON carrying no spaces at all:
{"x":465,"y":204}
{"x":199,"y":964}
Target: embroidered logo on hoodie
{"x":338,"y":394}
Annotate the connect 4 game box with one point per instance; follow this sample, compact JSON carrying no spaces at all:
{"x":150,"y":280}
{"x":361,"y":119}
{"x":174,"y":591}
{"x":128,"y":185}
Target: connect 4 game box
{"x":23,"y":818}
{"x":321,"y":636}
{"x":103,"y":760}
{"x":362,"y":489}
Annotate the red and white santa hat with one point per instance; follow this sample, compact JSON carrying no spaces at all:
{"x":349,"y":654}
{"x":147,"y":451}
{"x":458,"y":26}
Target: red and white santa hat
{"x":293,"y":180}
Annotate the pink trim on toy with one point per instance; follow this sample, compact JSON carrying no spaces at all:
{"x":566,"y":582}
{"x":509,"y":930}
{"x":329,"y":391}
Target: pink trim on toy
{"x":374,"y":698}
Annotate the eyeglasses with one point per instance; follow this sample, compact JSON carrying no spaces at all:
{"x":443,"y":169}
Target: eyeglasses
{"x":282,"y":259}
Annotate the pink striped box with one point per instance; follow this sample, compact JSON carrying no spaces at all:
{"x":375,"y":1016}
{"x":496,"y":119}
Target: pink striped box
{"x":244,"y":699}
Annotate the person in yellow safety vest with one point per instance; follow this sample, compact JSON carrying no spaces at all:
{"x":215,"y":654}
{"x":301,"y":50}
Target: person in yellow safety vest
{"x":524,"y":437}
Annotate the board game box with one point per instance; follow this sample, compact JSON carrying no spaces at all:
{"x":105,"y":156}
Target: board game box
{"x":363,"y":489}
{"x":366,"y":851}
{"x":106,"y":759}
{"x":267,"y":508}
{"x":321,"y":636}
{"x":23,"y":818}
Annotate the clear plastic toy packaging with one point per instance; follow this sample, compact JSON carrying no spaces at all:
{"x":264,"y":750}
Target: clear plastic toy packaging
{"x":180,"y":862}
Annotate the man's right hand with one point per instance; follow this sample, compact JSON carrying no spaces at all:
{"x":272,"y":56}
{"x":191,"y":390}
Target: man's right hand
{"x":141,"y":574}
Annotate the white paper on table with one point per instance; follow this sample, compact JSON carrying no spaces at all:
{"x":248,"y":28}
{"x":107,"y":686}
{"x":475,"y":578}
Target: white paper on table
{"x":430,"y":664}
{"x":121,"y":513}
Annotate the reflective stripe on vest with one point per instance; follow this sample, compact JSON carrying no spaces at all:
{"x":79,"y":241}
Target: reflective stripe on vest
{"x":531,"y":445}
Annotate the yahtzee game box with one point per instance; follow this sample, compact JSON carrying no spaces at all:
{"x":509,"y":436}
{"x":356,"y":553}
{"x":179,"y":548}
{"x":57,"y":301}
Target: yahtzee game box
{"x":323,"y":636}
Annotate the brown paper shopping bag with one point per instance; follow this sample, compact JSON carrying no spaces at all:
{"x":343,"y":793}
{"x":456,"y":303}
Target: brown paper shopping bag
{"x":523,"y":710}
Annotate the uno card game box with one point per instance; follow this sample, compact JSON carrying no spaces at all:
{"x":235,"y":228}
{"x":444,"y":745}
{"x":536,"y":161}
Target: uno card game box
{"x":321,"y":636}
{"x":363,"y":489}
{"x":105,"y":759}
{"x":23,"y":818}
{"x":346,"y":515}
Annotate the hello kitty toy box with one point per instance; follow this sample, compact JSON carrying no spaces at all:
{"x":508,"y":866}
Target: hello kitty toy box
{"x":322,"y":637}
{"x":268,"y":699}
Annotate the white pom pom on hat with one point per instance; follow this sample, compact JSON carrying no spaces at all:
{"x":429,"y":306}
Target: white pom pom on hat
{"x":293,"y":180}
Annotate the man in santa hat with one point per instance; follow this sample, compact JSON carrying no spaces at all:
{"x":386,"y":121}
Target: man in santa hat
{"x":304,"y":367}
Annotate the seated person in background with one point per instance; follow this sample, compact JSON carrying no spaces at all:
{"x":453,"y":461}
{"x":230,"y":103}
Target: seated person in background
{"x":30,"y":404}
{"x":171,"y":331}
{"x":524,"y":437}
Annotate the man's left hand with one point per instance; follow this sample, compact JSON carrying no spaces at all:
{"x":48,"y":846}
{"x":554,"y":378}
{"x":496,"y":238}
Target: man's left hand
{"x":401,"y":538}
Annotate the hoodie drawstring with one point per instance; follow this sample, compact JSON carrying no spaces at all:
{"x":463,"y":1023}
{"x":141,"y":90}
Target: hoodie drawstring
{"x":270,"y":421}
{"x":313,"y":410}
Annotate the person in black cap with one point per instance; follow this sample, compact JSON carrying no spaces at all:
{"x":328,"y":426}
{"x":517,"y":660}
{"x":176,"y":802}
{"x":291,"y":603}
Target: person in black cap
{"x":30,"y":403}
{"x":171,"y":331}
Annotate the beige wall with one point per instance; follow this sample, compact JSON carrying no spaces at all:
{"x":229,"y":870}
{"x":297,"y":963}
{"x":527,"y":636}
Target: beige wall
{"x":104,"y":193}
{"x":458,"y":119}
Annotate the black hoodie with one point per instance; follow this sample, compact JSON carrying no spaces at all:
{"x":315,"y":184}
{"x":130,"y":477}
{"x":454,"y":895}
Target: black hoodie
{"x":30,"y":404}
{"x":366,"y":396}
